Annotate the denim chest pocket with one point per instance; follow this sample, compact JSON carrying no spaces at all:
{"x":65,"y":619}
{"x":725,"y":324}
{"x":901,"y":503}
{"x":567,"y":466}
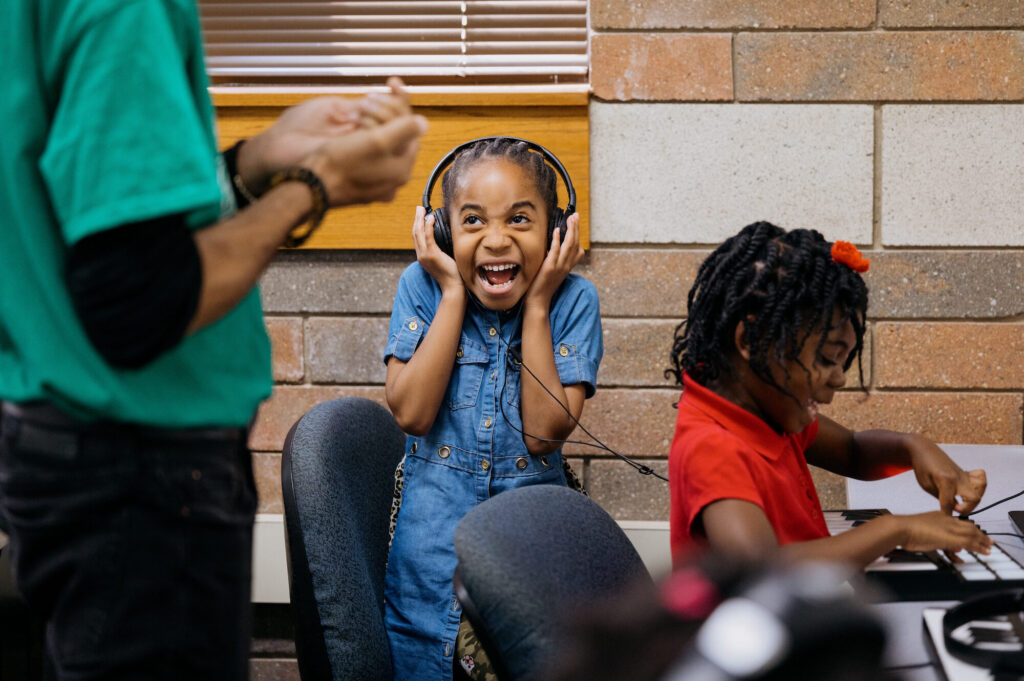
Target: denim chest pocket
{"x":467,"y":374}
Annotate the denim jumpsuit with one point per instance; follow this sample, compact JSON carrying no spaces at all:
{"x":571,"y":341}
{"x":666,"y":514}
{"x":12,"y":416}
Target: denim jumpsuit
{"x":472,"y":452}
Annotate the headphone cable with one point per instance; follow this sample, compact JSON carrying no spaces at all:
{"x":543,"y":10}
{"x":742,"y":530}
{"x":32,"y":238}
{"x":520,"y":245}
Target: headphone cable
{"x":964,"y":516}
{"x":639,"y":467}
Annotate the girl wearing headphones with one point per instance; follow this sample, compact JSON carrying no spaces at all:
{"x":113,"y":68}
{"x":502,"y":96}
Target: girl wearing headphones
{"x":491,"y":291}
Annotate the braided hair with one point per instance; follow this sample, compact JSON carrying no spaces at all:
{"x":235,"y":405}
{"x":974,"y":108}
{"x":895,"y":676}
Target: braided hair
{"x":784,"y":286}
{"x":516,"y":151}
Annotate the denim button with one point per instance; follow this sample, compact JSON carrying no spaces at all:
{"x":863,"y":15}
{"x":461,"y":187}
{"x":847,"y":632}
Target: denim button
{"x":493,"y":332}
{"x":563,"y":351}
{"x":444,"y":452}
{"x":522,"y":463}
{"x":485,"y":464}
{"x":544,"y":460}
{"x":413,"y":326}
{"x":414,"y":447}
{"x":487,"y":423}
{"x":458,"y":353}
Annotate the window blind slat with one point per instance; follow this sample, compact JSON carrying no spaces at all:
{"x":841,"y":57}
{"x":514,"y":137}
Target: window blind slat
{"x":261,"y":42}
{"x":223,"y":8}
{"x":395,"y":48}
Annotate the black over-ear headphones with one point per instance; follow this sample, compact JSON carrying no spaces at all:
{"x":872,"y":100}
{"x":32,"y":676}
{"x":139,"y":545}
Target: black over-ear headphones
{"x":443,"y":232}
{"x":797,"y":622}
{"x":983,"y":607}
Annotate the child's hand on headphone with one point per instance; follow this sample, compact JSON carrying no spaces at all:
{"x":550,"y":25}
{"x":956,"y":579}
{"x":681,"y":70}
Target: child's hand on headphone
{"x":559,"y":261}
{"x":436,"y":262}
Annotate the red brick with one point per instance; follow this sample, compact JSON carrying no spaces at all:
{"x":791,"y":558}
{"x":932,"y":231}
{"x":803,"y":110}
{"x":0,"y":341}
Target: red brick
{"x":936,"y":13}
{"x":287,"y":405}
{"x":649,"y":66}
{"x":950,"y":355}
{"x":286,"y":341}
{"x":831,"y":488}
{"x":266,"y":468}
{"x":968,"y":418}
{"x":732,"y":14}
{"x":920,"y":65}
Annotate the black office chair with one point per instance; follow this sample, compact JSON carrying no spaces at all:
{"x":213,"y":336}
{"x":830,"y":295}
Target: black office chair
{"x":527,"y":558}
{"x":337,"y":475}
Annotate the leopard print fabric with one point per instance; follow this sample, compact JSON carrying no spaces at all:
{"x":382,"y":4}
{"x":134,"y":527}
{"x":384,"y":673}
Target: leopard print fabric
{"x":396,"y":501}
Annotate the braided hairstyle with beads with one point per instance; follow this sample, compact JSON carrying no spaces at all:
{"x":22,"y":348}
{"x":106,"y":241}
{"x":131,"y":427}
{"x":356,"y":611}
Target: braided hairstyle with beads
{"x":517,"y":152}
{"x":783,"y":285}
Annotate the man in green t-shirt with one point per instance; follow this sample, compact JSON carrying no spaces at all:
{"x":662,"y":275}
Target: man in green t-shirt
{"x":132,"y":348}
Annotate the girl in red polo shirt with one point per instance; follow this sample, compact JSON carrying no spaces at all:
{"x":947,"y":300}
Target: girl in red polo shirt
{"x":774,"y":320}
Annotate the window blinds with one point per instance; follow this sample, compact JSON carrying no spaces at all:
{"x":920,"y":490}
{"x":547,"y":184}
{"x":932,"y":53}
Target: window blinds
{"x":432,"y":42}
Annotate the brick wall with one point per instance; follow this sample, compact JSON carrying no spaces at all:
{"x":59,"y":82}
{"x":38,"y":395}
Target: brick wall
{"x":896,"y":124}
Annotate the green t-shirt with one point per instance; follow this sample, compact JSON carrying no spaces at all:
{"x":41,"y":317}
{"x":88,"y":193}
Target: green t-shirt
{"x":106,"y":120}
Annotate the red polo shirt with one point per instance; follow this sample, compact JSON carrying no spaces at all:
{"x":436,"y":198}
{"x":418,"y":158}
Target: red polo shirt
{"x":722,"y":451}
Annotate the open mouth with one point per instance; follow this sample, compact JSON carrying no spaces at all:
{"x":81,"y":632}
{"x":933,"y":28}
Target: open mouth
{"x":497,"y":278}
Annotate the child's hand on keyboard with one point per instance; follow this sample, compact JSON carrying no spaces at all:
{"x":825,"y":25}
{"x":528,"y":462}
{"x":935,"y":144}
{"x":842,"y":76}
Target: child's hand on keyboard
{"x":939,"y":531}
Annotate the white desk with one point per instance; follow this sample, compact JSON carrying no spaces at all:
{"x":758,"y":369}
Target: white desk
{"x":1004,"y":466}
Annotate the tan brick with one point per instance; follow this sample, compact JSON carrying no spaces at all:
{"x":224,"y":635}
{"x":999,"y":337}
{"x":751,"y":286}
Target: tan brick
{"x":266,"y":468}
{"x":962,"y":284}
{"x":831,"y":488}
{"x":333,"y":281}
{"x":642,"y":282}
{"x":646,"y":66}
{"x":287,"y":405}
{"x":273,"y":670}
{"x":636,"y":352}
{"x":286,"y":342}
{"x":929,"y":13}
{"x":626,"y":494}
{"x":732,"y":14}
{"x":346,"y":349}
{"x":971,"y":418}
{"x":920,"y":65}
{"x":950,"y":355}
{"x":579,"y":467}
{"x":636,"y":422}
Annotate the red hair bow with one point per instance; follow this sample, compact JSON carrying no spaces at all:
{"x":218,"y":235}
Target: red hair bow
{"x":845,"y":253}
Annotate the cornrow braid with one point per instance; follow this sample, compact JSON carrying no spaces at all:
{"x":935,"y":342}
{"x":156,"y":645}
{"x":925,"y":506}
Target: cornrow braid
{"x":783,"y":285}
{"x":517,"y":152}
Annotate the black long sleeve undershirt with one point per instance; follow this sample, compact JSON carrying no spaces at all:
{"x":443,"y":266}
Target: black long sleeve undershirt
{"x":135,"y":288}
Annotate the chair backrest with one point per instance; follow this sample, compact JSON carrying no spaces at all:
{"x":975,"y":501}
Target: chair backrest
{"x":337,"y":475}
{"x":529,"y":557}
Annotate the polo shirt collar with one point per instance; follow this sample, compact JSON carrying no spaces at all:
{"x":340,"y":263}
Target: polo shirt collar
{"x":734,"y":418}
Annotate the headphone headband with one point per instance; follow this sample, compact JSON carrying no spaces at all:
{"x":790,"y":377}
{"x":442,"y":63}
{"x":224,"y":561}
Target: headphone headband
{"x":981,"y":607}
{"x":449,"y":158}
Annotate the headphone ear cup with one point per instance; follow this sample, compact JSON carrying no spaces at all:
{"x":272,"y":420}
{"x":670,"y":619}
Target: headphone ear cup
{"x":558,"y":221}
{"x":442,"y":233}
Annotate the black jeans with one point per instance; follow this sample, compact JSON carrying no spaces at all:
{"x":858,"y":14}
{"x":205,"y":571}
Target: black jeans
{"x":134,"y":545}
